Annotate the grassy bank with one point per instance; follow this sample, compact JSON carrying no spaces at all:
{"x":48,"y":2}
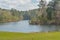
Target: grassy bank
{"x":29,"y":36}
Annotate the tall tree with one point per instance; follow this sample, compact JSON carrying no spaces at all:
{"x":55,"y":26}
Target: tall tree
{"x":42,"y":5}
{"x":49,"y":10}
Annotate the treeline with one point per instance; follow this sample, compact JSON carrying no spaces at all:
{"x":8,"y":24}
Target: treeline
{"x":16,"y":15}
{"x":28,"y":15}
{"x":9,"y":15}
{"x":31,"y":14}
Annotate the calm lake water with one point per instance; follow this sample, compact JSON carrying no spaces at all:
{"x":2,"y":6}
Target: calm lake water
{"x":23,"y":26}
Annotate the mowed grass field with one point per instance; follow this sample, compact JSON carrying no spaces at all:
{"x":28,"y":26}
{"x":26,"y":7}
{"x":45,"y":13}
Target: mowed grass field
{"x":29,"y":36}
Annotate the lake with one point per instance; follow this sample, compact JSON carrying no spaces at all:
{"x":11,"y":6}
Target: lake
{"x":24,"y":27}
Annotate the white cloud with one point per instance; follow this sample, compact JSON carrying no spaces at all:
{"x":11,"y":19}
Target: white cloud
{"x":19,"y":4}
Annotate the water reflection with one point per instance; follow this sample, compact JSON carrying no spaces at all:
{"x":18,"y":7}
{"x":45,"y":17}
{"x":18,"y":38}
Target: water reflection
{"x":23,"y":26}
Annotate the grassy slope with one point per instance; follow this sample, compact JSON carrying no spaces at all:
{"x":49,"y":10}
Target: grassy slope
{"x":29,"y":36}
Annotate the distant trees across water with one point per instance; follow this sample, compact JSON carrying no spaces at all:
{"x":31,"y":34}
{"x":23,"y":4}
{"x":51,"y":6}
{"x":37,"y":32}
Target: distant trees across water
{"x":14,"y":15}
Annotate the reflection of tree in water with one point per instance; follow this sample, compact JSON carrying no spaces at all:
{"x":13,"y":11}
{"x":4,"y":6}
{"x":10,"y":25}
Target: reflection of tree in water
{"x":57,"y":27}
{"x":50,"y":28}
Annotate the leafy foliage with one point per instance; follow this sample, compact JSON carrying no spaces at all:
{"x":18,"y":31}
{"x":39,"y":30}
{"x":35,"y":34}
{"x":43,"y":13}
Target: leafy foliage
{"x":8,"y":15}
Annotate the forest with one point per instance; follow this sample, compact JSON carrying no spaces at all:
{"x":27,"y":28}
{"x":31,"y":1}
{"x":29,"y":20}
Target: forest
{"x":45,"y":14}
{"x":14,"y":15}
{"x":9,"y":15}
{"x":49,"y":14}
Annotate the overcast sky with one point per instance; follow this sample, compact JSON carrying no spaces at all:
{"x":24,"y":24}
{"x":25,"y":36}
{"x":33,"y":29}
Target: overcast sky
{"x":20,"y":4}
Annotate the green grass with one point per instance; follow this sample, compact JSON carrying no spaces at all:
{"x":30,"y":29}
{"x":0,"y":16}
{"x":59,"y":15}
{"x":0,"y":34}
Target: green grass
{"x":29,"y":36}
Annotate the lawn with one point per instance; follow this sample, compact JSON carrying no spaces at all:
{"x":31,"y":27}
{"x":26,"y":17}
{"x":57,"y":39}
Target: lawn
{"x":29,"y":36}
